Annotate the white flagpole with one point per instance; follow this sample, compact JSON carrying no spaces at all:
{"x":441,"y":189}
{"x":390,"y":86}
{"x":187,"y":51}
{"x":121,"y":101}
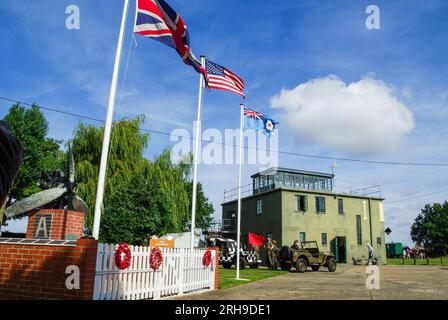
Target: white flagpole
{"x":196,"y":156}
{"x":238,"y":231}
{"x":108,"y":127}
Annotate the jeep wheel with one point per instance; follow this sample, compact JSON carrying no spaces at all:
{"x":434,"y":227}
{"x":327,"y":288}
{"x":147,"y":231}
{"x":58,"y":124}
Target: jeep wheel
{"x":254,"y":265}
{"x":285,"y":266}
{"x":301,"y":265}
{"x":285,"y":253}
{"x":331,"y":263}
{"x":227,"y":265}
{"x":315,"y":267}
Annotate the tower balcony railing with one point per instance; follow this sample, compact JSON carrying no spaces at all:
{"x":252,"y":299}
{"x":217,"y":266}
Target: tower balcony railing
{"x":338,"y":186}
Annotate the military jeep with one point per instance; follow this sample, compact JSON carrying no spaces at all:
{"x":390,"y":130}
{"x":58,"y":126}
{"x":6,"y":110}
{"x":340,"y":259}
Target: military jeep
{"x":307,"y":255}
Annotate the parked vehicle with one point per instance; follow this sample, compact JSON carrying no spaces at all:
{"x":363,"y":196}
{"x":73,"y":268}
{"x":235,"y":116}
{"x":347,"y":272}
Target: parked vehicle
{"x":227,"y":255}
{"x":394,"y":250}
{"x":307,"y":255}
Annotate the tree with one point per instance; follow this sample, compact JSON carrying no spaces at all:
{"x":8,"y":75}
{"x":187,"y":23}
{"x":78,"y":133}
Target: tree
{"x":430,"y":229}
{"x":174,"y":196}
{"x":41,"y":154}
{"x":204,"y":208}
{"x":132,"y":214}
{"x":142,"y":197}
{"x":125,"y":157}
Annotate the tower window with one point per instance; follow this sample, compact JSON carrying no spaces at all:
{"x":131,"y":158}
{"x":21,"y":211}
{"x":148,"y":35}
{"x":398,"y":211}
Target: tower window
{"x":358,"y":230}
{"x":320,"y":204}
{"x":341,"y":206}
{"x":302,"y":203}
{"x":259,"y":207}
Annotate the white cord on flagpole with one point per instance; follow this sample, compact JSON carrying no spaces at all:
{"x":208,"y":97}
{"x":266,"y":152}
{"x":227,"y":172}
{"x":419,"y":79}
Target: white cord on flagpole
{"x":135,"y":23}
{"x":196,"y":157}
{"x":240,"y":164}
{"x":107,"y":128}
{"x":125,"y":72}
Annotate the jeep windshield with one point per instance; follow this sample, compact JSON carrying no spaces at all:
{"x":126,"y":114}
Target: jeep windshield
{"x":309,"y":245}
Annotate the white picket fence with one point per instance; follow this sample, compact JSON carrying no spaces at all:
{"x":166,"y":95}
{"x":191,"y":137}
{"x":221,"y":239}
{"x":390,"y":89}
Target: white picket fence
{"x":181,"y":272}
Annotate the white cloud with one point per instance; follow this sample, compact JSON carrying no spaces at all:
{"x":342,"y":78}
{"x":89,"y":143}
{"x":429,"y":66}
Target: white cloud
{"x":360,"y":117}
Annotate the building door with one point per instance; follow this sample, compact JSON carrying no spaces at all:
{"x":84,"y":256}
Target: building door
{"x":338,"y":247}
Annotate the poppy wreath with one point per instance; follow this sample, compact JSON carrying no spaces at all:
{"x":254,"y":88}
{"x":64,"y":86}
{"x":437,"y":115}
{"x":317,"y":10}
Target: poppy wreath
{"x":207,"y":258}
{"x":123,"y":256}
{"x":155,"y":259}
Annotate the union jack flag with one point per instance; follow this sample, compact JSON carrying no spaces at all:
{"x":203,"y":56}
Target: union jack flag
{"x":249,"y":113}
{"x":252,"y":119}
{"x":223,"y":79}
{"x":156,"y":19}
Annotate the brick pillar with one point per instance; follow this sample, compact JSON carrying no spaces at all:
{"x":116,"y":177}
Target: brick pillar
{"x":87,"y":250}
{"x":55,"y":224}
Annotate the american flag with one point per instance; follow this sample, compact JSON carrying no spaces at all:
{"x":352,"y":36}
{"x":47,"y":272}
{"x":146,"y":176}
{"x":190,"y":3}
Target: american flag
{"x":221,"y":78}
{"x":156,"y":19}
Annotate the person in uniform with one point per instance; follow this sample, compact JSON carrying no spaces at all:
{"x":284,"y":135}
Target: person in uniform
{"x":273,"y":255}
{"x":296,"y":245}
{"x":268,"y":248}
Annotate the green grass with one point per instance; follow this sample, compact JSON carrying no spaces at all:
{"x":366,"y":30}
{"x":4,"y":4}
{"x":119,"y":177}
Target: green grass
{"x":227,"y":276}
{"x":419,"y":262}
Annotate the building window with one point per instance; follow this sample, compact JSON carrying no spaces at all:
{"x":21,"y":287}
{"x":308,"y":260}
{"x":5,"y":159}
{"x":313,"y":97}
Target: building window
{"x":341,"y":206}
{"x":324,"y":239}
{"x":378,"y":241}
{"x":358,"y":229}
{"x":259,"y":207}
{"x":320,"y":204}
{"x":302,"y":236}
{"x":302,"y":203}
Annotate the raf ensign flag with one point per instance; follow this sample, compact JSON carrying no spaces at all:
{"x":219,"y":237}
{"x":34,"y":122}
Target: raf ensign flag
{"x":223,"y":79}
{"x":156,"y":19}
{"x":258,"y":121}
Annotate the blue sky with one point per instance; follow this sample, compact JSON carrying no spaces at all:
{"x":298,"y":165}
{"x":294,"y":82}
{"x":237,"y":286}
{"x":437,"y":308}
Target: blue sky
{"x":294,"y":46}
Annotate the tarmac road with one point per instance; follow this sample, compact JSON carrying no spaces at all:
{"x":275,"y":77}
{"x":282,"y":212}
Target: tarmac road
{"x":348,"y":282}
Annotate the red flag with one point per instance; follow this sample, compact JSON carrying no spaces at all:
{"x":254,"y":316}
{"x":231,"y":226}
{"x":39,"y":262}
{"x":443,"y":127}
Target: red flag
{"x":255,"y":239}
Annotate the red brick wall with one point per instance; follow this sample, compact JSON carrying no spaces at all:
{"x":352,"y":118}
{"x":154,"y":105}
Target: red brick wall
{"x":64,"y":222}
{"x":38,"y":271}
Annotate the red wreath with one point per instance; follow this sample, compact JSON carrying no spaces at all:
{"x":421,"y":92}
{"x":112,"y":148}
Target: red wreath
{"x":123,"y":256}
{"x":155,"y":258}
{"x":207,"y":258}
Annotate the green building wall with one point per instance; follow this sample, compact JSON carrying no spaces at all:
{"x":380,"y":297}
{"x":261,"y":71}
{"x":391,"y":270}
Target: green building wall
{"x":281,"y":218}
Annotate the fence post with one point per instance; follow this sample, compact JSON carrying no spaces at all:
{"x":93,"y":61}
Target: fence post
{"x":427,"y":261}
{"x":181,"y":270}
{"x":415,"y":262}
{"x":212,"y":270}
{"x":441,"y":261}
{"x":98,"y":268}
{"x":157,"y":284}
